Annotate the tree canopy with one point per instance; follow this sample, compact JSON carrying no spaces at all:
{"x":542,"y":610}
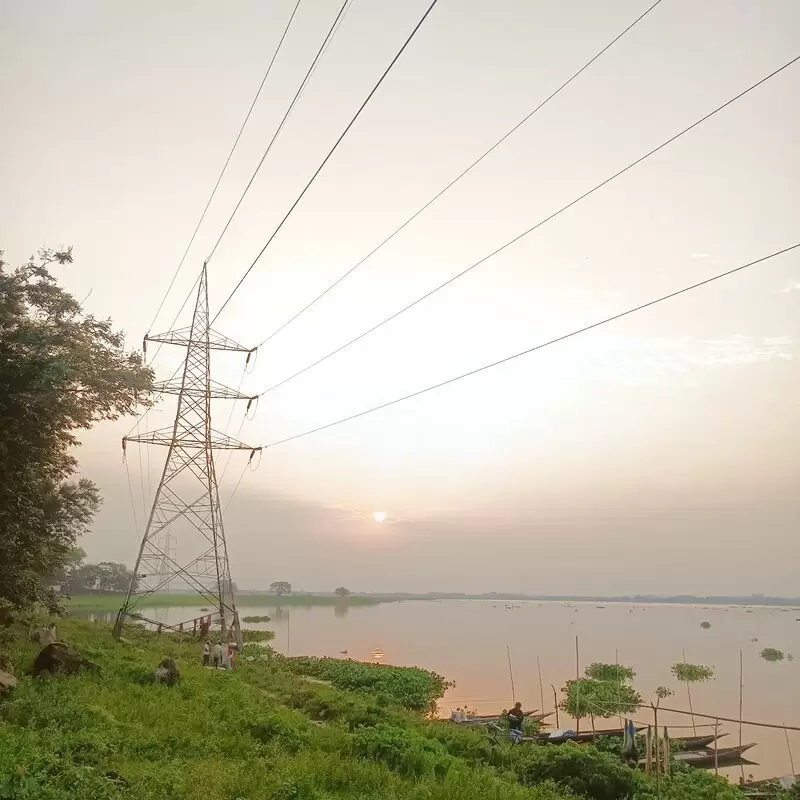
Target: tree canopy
{"x":61,"y":371}
{"x":280,"y":587}
{"x":692,"y":673}
{"x":604,"y":692}
{"x":341,"y":591}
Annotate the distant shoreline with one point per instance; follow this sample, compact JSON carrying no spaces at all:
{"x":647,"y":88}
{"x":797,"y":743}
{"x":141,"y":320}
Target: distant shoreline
{"x":112,"y":602}
{"x":694,"y":600}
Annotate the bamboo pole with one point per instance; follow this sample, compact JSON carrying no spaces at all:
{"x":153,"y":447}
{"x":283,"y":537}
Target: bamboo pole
{"x":619,"y":683}
{"x":511,"y":675}
{"x":555,"y":703}
{"x":731,"y":719}
{"x":789,"y":748}
{"x":657,"y":748}
{"x":716,"y":749}
{"x":541,"y":687}
{"x":577,"y":686}
{"x":689,"y":692}
{"x":741,"y":694}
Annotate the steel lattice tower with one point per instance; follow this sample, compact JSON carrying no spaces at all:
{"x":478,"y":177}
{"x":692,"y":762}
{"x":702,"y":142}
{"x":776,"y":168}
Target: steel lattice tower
{"x":188,"y":493}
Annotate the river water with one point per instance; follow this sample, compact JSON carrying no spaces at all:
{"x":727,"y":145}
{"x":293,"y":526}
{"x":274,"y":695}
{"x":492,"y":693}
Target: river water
{"x":466,"y":640}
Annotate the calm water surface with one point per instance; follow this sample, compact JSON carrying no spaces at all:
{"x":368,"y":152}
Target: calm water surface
{"x":465,"y":640}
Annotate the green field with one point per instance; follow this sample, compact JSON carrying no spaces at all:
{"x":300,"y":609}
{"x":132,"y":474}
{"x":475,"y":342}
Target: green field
{"x":269,"y":731}
{"x":112,"y":602}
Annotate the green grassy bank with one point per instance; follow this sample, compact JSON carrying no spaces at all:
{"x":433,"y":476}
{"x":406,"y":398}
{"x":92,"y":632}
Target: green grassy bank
{"x":112,"y":602}
{"x":276,"y":729}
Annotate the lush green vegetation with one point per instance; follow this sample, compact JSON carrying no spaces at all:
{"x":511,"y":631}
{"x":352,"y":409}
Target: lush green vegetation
{"x":112,"y":602}
{"x":266,"y":732}
{"x":604,"y":692}
{"x":692,"y":673}
{"x":61,"y":371}
{"x":258,"y":636}
{"x":615,"y":673}
{"x":772,"y":654}
{"x":412,"y":688}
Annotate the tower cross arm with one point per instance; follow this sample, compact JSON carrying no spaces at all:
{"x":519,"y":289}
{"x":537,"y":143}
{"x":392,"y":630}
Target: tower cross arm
{"x":215,"y":390}
{"x":190,"y":439}
{"x":183,"y":338}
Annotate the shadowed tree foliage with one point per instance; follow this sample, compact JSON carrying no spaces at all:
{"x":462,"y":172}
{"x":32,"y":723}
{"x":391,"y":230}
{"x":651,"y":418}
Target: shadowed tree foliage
{"x":61,"y":371}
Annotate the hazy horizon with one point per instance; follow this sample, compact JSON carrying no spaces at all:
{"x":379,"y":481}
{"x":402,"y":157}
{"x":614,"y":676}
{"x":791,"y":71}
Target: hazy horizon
{"x":656,"y":455}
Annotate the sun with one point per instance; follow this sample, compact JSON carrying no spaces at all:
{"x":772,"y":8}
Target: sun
{"x":379,"y":516}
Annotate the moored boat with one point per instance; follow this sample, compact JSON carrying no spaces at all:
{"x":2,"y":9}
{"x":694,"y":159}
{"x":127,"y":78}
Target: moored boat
{"x":561,"y":736}
{"x":709,"y":758}
{"x":495,"y":718}
{"x":696,"y":742}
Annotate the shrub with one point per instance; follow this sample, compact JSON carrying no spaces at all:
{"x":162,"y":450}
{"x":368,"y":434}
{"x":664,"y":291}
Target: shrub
{"x":583,"y":769}
{"x":772,"y":654}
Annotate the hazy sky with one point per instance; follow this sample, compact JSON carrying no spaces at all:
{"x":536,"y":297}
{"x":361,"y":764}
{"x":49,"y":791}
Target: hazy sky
{"x":657,"y":454}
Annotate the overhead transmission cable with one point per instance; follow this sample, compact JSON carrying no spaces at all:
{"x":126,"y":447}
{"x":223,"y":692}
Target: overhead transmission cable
{"x":298,"y":93}
{"x":224,"y":168}
{"x":461,"y":175}
{"x":540,"y":346}
{"x":327,"y":157}
{"x":323,"y":48}
{"x":539,"y":224}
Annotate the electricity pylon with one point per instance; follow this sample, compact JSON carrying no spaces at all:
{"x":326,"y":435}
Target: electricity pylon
{"x":188,"y":494}
{"x":165,"y":570}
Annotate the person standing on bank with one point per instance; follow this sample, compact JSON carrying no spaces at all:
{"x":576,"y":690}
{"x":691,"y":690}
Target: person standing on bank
{"x":206,"y":653}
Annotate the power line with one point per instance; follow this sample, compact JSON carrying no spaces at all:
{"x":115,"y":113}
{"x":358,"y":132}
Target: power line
{"x":462,"y":174}
{"x":327,"y":157}
{"x":224,"y":168}
{"x":531,"y":229}
{"x":540,"y":346}
{"x":298,"y":93}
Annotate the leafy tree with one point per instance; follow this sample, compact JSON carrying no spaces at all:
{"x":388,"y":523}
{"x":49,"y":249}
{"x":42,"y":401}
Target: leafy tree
{"x":615,"y":673}
{"x":280,"y":587}
{"x":104,"y":577}
{"x":692,"y":673}
{"x":587,"y":697}
{"x":61,"y":371}
{"x":604,"y":692}
{"x":342,"y":592}
{"x":72,"y":561}
{"x":689,"y":674}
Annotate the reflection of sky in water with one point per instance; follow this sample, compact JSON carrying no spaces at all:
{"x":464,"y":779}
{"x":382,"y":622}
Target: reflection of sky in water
{"x":466,"y":641}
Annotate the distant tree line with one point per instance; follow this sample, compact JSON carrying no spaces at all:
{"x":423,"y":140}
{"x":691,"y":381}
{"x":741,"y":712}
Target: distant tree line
{"x":76,"y":577}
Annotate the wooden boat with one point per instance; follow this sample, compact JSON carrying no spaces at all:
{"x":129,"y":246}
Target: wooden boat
{"x":495,"y":718}
{"x":692,"y":742}
{"x":559,"y":737}
{"x":708,"y":758}
{"x":769,"y":787}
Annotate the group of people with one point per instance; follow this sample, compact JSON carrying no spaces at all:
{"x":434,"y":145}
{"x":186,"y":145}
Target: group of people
{"x":219,"y":655}
{"x":514,"y":716}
